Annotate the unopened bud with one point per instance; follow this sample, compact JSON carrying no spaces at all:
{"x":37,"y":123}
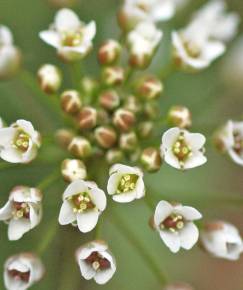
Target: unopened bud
{"x":134,"y":155}
{"x":50,"y":78}
{"x":114,"y":156}
{"x":180,"y":116}
{"x":73,"y":169}
{"x":80,"y":147}
{"x":64,"y":137}
{"x":145,"y":129}
{"x":178,"y":286}
{"x":113,"y":76}
{"x":132,"y":103}
{"x":150,"y":88}
{"x":106,"y":137}
{"x":151,"y":109}
{"x":109,"y":52}
{"x":109,"y":100}
{"x":11,"y":58}
{"x":71,"y":101}
{"x":89,"y":85}
{"x":140,"y":61}
{"x":87,"y":118}
{"x":128,"y":141}
{"x":124,"y":119}
{"x":151,"y":159}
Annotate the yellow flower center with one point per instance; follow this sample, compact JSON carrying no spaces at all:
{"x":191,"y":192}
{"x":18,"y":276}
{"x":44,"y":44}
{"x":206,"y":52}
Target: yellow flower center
{"x":21,"y":210}
{"x":72,"y":38}
{"x":192,"y":49}
{"x":81,"y":202}
{"x":173,"y":223}
{"x":180,"y":149}
{"x":127,"y":183}
{"x":22,"y":141}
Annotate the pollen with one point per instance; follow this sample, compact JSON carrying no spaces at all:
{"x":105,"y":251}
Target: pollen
{"x":72,"y":38}
{"x":127,"y":183}
{"x":81,"y":202}
{"x":173,"y":223}
{"x":181,"y":150}
{"x":22,"y":141}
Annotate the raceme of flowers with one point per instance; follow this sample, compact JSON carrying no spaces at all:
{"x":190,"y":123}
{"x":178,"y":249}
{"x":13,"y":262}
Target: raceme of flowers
{"x":114,"y":119}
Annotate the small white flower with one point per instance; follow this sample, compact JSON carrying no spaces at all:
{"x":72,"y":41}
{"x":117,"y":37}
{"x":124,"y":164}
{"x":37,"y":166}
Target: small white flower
{"x":1,"y":123}
{"x":222,"y":240}
{"x":125,"y":183}
{"x":96,"y":262}
{"x":71,"y":37}
{"x":182,"y":149}
{"x":19,"y":143}
{"x":83,"y":202}
{"x":10,"y":56}
{"x":22,"y":212}
{"x":22,"y":271}
{"x":175,"y":225}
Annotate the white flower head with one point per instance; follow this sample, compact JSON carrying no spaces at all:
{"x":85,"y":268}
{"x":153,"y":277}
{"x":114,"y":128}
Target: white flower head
{"x":19,"y":143}
{"x":96,"y":262}
{"x":22,"y":212}
{"x":83,"y":202}
{"x":182,"y":149}
{"x":222,"y":240}
{"x":22,"y":271}
{"x":175,"y":225}
{"x":125,"y":183}
{"x":69,"y":35}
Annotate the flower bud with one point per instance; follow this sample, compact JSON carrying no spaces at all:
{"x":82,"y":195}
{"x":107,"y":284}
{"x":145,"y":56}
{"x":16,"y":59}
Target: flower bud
{"x":80,"y":147}
{"x":151,"y":109}
{"x":145,"y":129}
{"x":178,"y":286}
{"x":114,"y":156}
{"x":128,"y":141}
{"x":124,"y":119}
{"x":151,"y":159}
{"x":89,"y":85}
{"x":135,"y":155}
{"x":113,"y":76}
{"x":150,"y":88}
{"x":140,"y":61}
{"x":109,"y":52}
{"x":109,"y":100}
{"x":132,"y":104}
{"x":64,"y":137}
{"x":70,"y":101}
{"x":105,"y":137}
{"x":50,"y":78}
{"x":180,"y":116}
{"x":11,"y":59}
{"x":87,"y":118}
{"x":73,"y":169}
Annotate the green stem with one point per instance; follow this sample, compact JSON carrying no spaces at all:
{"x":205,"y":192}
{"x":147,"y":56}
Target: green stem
{"x":134,"y":240}
{"x":168,"y":70}
{"x":48,"y":238}
{"x":50,"y":179}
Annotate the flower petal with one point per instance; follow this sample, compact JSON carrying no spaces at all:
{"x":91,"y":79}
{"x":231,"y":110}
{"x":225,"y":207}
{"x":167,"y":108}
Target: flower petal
{"x":50,"y":37}
{"x":87,"y":220}
{"x":99,"y":198}
{"x":66,"y":215}
{"x":189,"y":213}
{"x":17,"y":228}
{"x":172,"y":240}
{"x":189,"y":236}
{"x":162,"y":211}
{"x":6,"y":211}
{"x":66,"y":20}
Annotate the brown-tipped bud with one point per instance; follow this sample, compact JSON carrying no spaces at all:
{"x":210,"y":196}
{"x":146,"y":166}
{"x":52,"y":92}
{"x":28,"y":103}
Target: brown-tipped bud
{"x":113,"y":76}
{"x":87,"y":118}
{"x":139,"y":61}
{"x":178,"y":286}
{"x":109,"y":52}
{"x":150,"y":88}
{"x":180,"y":116}
{"x":114,"y":156}
{"x":125,"y":22}
{"x":151,"y":159}
{"x":124,"y":119}
{"x":64,"y":137}
{"x":80,"y":147}
{"x":133,"y":104}
{"x":109,"y":100}
{"x":106,"y":137}
{"x":89,"y":85}
{"x":145,"y":129}
{"x":49,"y":78}
{"x":151,"y":109}
{"x":71,"y":101}
{"x":73,"y":169}
{"x":128,"y":141}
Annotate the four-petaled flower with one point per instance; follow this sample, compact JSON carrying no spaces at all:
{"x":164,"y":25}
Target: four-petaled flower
{"x":125,"y":183}
{"x":22,"y":212}
{"x":96,"y":262}
{"x":175,"y":225}
{"x":83,"y":202}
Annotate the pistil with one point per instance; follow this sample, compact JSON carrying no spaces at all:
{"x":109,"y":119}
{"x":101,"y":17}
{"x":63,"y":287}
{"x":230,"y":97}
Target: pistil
{"x":97,"y":261}
{"x":21,"y":276}
{"x":173,"y":223}
{"x":81,"y":202}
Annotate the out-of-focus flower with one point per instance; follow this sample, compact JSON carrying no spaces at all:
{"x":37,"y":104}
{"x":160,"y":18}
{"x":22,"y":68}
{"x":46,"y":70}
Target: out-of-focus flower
{"x":178,"y":286}
{"x":151,"y":159}
{"x":73,"y":169}
{"x":109,"y":100}
{"x":96,"y":262}
{"x":229,"y":139}
{"x":182,"y":149}
{"x":180,"y":116}
{"x":142,"y":43}
{"x":87,"y":117}
{"x":19,"y":143}
{"x":106,"y":137}
{"x":10,"y":56}
{"x":175,"y":225}
{"x":124,"y":119}
{"x":71,"y":37}
{"x":125,"y":183}
{"x":50,"y":78}
{"x":113,"y":75}
{"x":128,"y":141}
{"x":109,"y":52}
{"x":135,"y":11}
{"x":22,"y":212}
{"x":80,"y":147}
{"x":22,"y":271}
{"x":83,"y":202}
{"x":71,"y":101}
{"x":150,"y":87}
{"x":64,"y":137}
{"x":222,"y":240}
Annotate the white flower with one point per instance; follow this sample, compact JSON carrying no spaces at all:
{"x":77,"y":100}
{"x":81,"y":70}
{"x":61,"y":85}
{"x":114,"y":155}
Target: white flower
{"x":71,"y":37}
{"x":142,"y":43}
{"x":182,"y":149}
{"x":10,"y":56}
{"x":96,"y":262}
{"x":83,"y":202}
{"x":1,"y":123}
{"x":125,"y":183}
{"x":22,"y":212}
{"x":19,"y":143}
{"x":175,"y":225}
{"x":222,"y":240}
{"x":22,"y":271}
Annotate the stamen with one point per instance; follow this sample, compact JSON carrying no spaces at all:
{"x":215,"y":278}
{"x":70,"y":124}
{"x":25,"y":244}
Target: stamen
{"x":173,"y":223}
{"x":181,"y":150}
{"x":97,"y":261}
{"x":81,"y":202}
{"x":21,"y":141}
{"x":127,"y":183}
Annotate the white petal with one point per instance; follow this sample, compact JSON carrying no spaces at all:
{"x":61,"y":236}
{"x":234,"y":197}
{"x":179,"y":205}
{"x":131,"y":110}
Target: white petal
{"x":35,"y":214}
{"x":6,"y":211}
{"x":6,"y":136}
{"x":17,"y":228}
{"x":189,"y":236}
{"x":169,"y":137}
{"x":171,"y":159}
{"x":189,"y":213}
{"x":99,"y":198}
{"x":6,"y":37}
{"x":113,"y":183}
{"x":104,"y":276}
{"x":66,"y":20}
{"x":140,"y":188}
{"x":89,"y":32}
{"x":66,"y":215}
{"x":124,"y":197}
{"x":86,"y":270}
{"x":195,"y":160}
{"x":195,"y":140}
{"x":172,"y":240}
{"x":236,"y":157}
{"x":77,"y":186}
{"x":11,"y":155}
{"x":50,"y":37}
{"x":213,"y":50}
{"x":87,"y":220}
{"x":162,"y":211}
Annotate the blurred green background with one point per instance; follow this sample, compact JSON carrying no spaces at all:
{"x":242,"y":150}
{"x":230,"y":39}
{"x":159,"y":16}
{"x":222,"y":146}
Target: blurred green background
{"x":211,"y":188}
